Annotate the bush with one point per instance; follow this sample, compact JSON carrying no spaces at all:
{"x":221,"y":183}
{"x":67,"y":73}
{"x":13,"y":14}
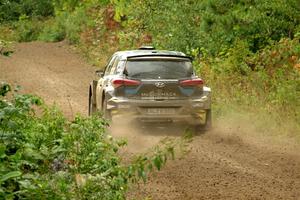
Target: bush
{"x":211,"y":24}
{"x":5,"y":48}
{"x":53,"y":31}
{"x":27,"y":29}
{"x":74,"y":24}
{"x":66,"y":25}
{"x":11,"y":10}
{"x":47,"y":157}
{"x":267,"y":82}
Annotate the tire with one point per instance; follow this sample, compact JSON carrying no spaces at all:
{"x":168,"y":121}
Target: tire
{"x":92,"y":107}
{"x":106,"y":113}
{"x":204,"y":127}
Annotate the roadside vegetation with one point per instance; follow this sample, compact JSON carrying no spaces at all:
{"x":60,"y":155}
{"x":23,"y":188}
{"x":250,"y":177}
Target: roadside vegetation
{"x":45,"y":156}
{"x":247,"y":51}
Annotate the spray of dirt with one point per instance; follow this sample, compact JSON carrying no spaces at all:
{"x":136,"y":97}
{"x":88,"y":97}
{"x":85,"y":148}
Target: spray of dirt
{"x":142,"y":136}
{"x":259,"y":129}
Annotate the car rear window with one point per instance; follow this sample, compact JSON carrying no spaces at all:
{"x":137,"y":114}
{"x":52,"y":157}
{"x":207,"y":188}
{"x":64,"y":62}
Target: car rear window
{"x":158,"y":69}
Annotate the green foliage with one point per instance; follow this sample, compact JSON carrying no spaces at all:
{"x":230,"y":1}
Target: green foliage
{"x":265,"y":82}
{"x":211,"y":24}
{"x":5,"y":49}
{"x":27,"y":29}
{"x":256,"y":22}
{"x":11,"y":10}
{"x":207,"y":27}
{"x":53,"y":31}
{"x":66,"y":25}
{"x":66,"y":5}
{"x":174,"y":25}
{"x":74,"y":24}
{"x":47,"y":157}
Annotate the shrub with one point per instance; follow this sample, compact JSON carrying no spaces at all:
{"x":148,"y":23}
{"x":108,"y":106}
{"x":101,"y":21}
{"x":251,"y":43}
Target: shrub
{"x":53,"y":31}
{"x":5,"y":48}
{"x":27,"y":29}
{"x":74,"y":24}
{"x":267,"y":82}
{"x":11,"y":10}
{"x":211,"y":24}
{"x":66,"y":25}
{"x":47,"y":157}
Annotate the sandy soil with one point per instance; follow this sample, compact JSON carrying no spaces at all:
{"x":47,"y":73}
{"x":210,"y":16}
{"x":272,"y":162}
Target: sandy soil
{"x":52,"y":71}
{"x":226,"y":163}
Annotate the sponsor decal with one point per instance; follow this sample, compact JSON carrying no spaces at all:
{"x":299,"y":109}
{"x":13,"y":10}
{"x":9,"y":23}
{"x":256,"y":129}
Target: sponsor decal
{"x":159,"y":93}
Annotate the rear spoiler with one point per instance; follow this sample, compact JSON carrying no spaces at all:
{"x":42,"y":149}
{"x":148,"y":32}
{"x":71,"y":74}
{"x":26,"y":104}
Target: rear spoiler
{"x":141,"y":57}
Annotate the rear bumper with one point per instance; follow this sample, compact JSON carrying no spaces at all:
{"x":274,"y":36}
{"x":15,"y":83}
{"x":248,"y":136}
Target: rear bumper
{"x":191,"y":111}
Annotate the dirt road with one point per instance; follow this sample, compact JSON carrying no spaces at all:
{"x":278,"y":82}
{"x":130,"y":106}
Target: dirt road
{"x":51,"y":71}
{"x":227,"y":163}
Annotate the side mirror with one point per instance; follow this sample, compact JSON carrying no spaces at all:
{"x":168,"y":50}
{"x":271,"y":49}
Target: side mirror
{"x":99,"y":73}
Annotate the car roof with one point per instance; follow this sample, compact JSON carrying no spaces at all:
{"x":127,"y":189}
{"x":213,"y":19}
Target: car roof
{"x":124,"y":55}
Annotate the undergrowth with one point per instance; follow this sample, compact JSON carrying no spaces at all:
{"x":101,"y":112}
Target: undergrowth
{"x":45,"y":156}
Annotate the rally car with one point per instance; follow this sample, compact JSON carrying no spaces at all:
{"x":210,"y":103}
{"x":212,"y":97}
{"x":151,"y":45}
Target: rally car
{"x":151,"y":86}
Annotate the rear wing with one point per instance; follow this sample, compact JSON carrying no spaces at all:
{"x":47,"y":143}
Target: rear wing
{"x":159,"y":57}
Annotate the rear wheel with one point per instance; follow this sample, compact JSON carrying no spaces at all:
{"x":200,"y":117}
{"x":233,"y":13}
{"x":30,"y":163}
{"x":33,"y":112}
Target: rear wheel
{"x":92,"y":107}
{"x":204,"y":127}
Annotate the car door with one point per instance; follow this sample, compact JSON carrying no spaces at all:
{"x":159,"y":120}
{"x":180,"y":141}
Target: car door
{"x":103,"y":82}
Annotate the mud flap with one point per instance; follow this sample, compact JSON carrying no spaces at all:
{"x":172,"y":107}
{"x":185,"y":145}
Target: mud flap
{"x":92,"y":97}
{"x":94,"y":86}
{"x":208,"y":123}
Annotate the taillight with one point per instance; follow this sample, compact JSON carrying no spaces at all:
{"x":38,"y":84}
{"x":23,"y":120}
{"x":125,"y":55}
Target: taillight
{"x":124,"y":82}
{"x":192,"y":82}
